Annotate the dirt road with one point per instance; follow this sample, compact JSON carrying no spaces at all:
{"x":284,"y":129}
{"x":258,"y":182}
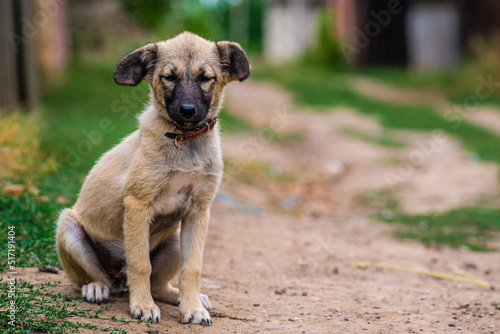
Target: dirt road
{"x":289,"y":226}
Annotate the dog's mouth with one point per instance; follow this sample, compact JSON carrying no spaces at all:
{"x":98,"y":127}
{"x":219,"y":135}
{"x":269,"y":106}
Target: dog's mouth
{"x":190,"y":126}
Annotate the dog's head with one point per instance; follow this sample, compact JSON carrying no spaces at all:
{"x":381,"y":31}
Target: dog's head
{"x":187,"y":75}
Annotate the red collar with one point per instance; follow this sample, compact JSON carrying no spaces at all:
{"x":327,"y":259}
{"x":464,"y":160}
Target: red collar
{"x":178,"y":138}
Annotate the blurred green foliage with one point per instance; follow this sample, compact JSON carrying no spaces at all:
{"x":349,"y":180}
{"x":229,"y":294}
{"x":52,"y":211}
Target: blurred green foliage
{"x":149,"y":14}
{"x":327,"y":51}
{"x":208,"y":18}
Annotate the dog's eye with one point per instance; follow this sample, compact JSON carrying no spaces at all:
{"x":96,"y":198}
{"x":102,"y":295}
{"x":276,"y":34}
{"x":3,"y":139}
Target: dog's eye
{"x":206,"y":78}
{"x":170,"y":77}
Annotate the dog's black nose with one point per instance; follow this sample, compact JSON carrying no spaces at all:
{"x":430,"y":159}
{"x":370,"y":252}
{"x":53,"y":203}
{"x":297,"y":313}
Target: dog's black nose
{"x":187,"y":111}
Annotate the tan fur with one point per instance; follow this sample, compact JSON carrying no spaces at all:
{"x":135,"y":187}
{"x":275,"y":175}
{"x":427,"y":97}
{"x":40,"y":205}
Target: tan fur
{"x":127,"y":197}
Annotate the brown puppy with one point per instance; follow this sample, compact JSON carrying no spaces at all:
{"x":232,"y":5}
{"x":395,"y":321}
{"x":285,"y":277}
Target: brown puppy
{"x":124,"y":227}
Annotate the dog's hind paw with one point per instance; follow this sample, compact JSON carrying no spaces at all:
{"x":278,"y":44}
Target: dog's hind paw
{"x":205,"y":302}
{"x":95,"y":293}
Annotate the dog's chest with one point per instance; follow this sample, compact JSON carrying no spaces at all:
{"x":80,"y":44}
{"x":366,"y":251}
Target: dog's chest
{"x":176,"y":198}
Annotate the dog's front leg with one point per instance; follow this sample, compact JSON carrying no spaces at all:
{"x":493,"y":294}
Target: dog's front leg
{"x":136,"y":232}
{"x":193,"y":232}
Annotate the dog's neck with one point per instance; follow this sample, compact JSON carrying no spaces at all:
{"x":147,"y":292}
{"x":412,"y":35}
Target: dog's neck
{"x":200,"y":153}
{"x":181,"y":136}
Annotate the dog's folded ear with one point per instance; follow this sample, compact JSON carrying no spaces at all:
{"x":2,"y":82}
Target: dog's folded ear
{"x":136,"y":66}
{"x":234,"y":60}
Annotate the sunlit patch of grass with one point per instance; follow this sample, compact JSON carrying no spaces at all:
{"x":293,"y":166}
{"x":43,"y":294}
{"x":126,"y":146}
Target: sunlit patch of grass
{"x":21,"y":160}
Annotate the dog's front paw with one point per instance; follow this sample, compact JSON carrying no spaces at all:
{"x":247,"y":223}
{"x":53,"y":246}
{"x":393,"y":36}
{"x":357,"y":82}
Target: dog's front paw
{"x":145,"y":312}
{"x":199,"y":316}
{"x":95,"y":293}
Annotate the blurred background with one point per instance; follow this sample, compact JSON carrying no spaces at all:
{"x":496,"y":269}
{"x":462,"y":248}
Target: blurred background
{"x":367,"y":85}
{"x":364,"y":122}
{"x":42,"y":38}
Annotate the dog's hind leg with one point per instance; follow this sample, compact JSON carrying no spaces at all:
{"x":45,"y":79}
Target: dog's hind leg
{"x":166,"y":263}
{"x":79,"y":259}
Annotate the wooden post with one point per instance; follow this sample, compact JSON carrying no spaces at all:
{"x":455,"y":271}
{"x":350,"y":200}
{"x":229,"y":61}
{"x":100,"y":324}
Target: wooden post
{"x":18,"y":77}
{"x":26,"y":59}
{"x":9,"y":94}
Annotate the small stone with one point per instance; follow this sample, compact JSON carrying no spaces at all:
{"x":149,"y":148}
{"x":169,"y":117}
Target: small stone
{"x":290,"y":201}
{"x":347,"y":318}
{"x":334,"y":167}
{"x":304,"y":294}
{"x":256,"y":304}
{"x":50,"y":269}
{"x":470,"y":265}
{"x":152,"y":331}
{"x":377,"y":317}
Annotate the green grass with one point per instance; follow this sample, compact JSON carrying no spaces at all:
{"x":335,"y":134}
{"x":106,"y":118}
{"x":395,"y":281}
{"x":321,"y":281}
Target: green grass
{"x":471,"y":227}
{"x":34,"y":224}
{"x":39,"y":310}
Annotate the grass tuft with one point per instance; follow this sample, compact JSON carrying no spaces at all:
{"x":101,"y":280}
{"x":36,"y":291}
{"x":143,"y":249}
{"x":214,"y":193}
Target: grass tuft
{"x":38,"y":310}
{"x":472,"y":227}
{"x":34,"y":223}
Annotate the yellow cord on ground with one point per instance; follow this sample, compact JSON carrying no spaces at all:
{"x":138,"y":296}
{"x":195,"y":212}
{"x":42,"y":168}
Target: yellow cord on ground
{"x":468,"y":277}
